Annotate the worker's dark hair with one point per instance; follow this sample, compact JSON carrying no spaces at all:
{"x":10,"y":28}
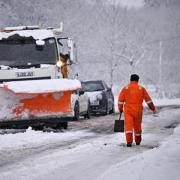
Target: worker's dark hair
{"x":134,"y":77}
{"x":65,"y":56}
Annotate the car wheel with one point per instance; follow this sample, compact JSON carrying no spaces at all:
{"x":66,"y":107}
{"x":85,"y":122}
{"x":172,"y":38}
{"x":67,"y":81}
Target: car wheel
{"x":76,"y":111}
{"x":106,"y":110}
{"x":112,"y":110}
{"x":87,"y":115}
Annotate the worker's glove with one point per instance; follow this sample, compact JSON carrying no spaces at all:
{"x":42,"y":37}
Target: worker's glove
{"x":121,"y":111}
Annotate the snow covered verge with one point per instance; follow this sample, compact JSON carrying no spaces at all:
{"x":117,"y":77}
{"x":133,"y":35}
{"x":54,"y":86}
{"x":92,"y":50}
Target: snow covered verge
{"x":162,"y":163}
{"x":31,"y":138}
{"x":166,"y":102}
{"x":128,"y":3}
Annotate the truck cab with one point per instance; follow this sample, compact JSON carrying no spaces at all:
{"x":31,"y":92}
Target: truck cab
{"x":31,"y":53}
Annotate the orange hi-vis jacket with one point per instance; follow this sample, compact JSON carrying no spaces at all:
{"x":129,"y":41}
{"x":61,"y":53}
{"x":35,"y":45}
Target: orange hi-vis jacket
{"x":132,"y":97}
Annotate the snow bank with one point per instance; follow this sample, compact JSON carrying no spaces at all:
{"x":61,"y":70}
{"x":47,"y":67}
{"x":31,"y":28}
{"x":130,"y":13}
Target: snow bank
{"x":43,"y":86}
{"x":32,"y":138}
{"x":128,"y":3}
{"x":132,"y":3}
{"x":165,"y":102}
{"x":161,"y":163}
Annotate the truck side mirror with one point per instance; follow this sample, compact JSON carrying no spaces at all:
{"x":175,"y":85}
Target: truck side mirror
{"x":59,"y":42}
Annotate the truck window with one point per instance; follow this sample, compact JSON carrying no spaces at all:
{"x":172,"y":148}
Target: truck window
{"x":21,"y":51}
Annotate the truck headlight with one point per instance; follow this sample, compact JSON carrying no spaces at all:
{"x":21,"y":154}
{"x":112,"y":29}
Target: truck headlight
{"x":99,"y":96}
{"x":59,"y":64}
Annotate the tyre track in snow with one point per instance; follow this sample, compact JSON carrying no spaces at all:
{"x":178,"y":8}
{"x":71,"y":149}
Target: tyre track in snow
{"x":95,"y":124}
{"x":8,"y":157}
{"x":100,"y":125}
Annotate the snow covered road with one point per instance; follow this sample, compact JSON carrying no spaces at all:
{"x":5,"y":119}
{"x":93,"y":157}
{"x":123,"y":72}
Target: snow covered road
{"x":86,"y":153}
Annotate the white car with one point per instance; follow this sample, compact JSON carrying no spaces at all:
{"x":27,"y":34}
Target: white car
{"x":81,"y":104}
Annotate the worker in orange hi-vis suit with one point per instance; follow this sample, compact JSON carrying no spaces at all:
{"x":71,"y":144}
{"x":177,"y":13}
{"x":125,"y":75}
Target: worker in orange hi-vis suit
{"x":131,"y":97}
{"x":64,"y":68}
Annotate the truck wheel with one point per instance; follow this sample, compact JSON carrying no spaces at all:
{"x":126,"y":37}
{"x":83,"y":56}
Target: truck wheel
{"x":76,"y":111}
{"x":61,"y":125}
{"x":65,"y":125}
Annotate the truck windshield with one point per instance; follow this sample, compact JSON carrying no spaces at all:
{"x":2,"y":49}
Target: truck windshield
{"x":22,"y":51}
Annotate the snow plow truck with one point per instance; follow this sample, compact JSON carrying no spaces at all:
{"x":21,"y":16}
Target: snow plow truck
{"x":32,"y":90}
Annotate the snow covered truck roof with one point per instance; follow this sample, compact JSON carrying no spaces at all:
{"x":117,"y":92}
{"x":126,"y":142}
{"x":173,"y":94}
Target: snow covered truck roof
{"x":29,"y":31}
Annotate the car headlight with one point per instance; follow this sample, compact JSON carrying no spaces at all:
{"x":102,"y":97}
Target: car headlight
{"x":59,"y":63}
{"x":99,"y":97}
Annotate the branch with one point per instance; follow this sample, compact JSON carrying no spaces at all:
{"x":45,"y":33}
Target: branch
{"x":130,"y":59}
{"x":137,"y":62}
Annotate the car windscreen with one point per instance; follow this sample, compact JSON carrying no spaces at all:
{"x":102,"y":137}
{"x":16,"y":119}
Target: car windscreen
{"x":92,"y":86}
{"x":22,"y":51}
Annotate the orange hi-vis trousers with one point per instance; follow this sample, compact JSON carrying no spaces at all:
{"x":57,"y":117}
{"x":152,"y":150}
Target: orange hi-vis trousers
{"x":131,"y":98}
{"x":133,"y":122}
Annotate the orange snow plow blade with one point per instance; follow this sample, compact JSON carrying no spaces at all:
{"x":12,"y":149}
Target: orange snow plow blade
{"x":45,"y":103}
{"x":40,"y":99}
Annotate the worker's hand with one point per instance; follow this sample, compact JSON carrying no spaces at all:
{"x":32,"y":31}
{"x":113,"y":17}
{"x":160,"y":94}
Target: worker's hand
{"x":121,"y":111}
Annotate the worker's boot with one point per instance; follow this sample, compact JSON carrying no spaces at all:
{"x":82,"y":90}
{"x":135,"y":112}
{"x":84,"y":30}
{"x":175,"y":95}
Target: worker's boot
{"x":138,"y":139}
{"x":129,"y":139}
{"x":129,"y":144}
